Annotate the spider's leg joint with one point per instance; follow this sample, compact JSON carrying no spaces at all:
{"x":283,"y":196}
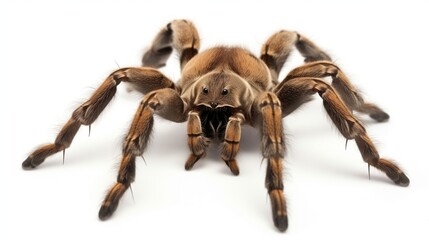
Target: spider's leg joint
{"x":119,"y":75}
{"x":169,"y":30}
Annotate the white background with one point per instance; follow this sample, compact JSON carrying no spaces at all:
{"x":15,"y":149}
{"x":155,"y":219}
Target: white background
{"x":54,"y":53}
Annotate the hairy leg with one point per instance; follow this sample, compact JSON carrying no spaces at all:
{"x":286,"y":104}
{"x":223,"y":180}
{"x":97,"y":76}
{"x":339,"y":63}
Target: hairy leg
{"x":277,"y":48}
{"x":348,"y":125}
{"x":231,"y":143}
{"x":197,"y":142}
{"x":166,"y":103}
{"x":180,"y":35}
{"x":348,"y":93}
{"x":143,"y":79}
{"x":267,"y":110}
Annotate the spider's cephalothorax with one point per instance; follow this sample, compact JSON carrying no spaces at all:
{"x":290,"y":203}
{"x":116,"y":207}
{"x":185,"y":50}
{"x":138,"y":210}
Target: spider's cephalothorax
{"x":221,"y":89}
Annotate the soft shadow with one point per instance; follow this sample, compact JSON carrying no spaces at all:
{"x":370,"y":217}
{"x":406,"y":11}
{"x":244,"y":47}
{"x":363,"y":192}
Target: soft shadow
{"x":250,"y":140}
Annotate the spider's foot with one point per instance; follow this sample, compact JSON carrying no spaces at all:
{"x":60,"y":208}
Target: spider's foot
{"x":40,"y":154}
{"x":112,"y":200}
{"x":380,"y":116}
{"x":107,"y":210}
{"x":399,"y":179}
{"x":278,"y":205}
{"x":393,"y":172}
{"x":111,"y":203}
{"x":191,"y":161}
{"x":281,"y":222}
{"x":31,"y":163}
{"x":232,"y":164}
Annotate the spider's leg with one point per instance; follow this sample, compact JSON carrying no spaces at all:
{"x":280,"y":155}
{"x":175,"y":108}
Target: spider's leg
{"x":277,"y":48}
{"x":197,"y":142}
{"x":143,"y":79}
{"x":296,"y":91}
{"x":180,"y":35}
{"x":267,"y":110}
{"x":164,"y":102}
{"x":348,"y":93}
{"x":230,"y":145}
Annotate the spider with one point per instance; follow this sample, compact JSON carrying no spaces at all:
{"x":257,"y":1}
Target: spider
{"x":220,"y":90}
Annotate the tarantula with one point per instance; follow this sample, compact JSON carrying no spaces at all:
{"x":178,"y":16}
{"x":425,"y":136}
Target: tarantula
{"x":219,"y":90}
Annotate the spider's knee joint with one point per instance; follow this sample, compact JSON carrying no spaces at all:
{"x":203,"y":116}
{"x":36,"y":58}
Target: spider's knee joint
{"x":193,"y":114}
{"x":62,"y":145}
{"x":321,"y":89}
{"x":270,"y":99}
{"x":372,"y":160}
{"x":153,"y":104}
{"x":152,"y":101}
{"x":117,"y":79}
{"x":169,"y":29}
{"x":125,"y":180}
{"x":119,"y":76}
{"x":274,"y":187}
{"x":198,"y":145}
{"x":273,"y":147}
{"x":333,"y":71}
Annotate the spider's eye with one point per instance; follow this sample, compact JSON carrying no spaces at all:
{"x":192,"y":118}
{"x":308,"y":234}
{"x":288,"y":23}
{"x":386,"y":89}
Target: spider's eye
{"x":205,"y":90}
{"x":225,"y":91}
